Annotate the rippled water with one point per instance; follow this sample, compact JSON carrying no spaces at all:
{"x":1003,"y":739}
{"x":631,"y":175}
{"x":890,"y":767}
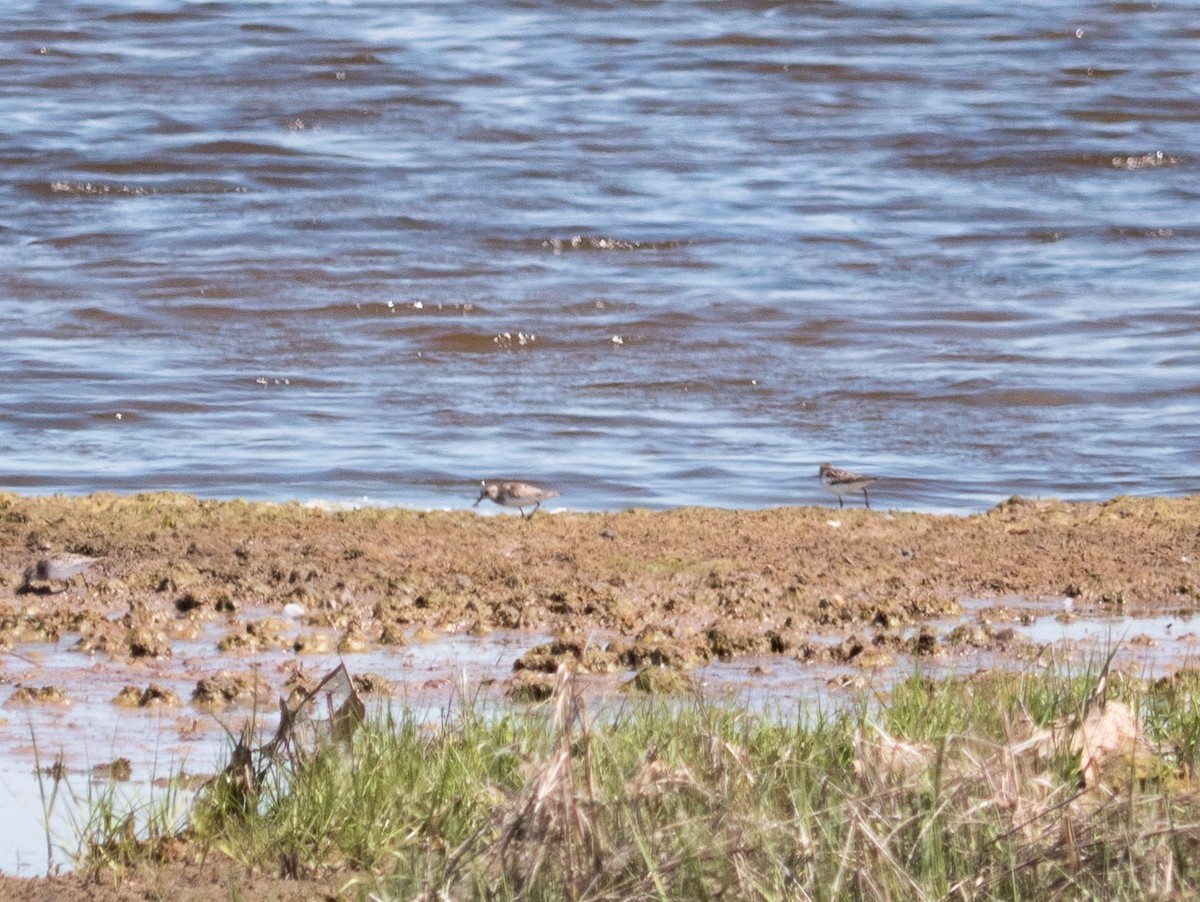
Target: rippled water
{"x":655,"y":253}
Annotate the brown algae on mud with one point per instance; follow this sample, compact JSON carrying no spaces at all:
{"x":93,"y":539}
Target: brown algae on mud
{"x":690,"y":584}
{"x":170,"y":557}
{"x":619,"y":592}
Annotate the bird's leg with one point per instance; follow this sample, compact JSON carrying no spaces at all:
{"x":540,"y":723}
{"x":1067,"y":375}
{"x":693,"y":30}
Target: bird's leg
{"x":866,"y":498}
{"x":841,"y":503}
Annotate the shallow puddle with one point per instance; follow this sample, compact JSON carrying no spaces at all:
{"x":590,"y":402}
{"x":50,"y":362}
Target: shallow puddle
{"x":89,"y":731}
{"x":1149,"y":646}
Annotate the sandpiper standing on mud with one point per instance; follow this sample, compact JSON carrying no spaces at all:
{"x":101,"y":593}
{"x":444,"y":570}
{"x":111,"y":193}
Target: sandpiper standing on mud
{"x":511,"y":493}
{"x":57,"y":568}
{"x":844,"y":482}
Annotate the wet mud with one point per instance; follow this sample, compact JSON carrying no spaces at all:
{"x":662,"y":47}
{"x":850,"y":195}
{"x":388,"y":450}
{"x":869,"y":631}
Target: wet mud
{"x":210,"y":585}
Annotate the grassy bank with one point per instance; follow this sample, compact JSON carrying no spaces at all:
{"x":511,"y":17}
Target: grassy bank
{"x":1002,"y":786}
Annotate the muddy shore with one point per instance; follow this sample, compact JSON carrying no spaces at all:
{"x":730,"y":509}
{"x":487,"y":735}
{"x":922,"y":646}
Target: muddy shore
{"x":378,"y":575}
{"x":620,"y":591}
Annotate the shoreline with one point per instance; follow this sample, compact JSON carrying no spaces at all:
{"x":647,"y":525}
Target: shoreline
{"x":502,"y":571}
{"x":188,"y":589}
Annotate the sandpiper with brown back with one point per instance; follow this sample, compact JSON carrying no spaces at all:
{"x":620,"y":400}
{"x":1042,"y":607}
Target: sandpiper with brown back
{"x":57,"y":568}
{"x":512,"y":493}
{"x":845,"y":482}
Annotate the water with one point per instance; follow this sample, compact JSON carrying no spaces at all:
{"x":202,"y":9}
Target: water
{"x":274,"y":250}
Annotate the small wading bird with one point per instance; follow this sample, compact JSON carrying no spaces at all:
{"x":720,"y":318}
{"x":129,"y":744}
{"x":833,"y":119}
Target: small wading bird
{"x":515,"y":494}
{"x":844,"y":482}
{"x":57,"y":568}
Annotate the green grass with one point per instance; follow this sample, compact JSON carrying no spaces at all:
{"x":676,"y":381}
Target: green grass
{"x":928,"y":793}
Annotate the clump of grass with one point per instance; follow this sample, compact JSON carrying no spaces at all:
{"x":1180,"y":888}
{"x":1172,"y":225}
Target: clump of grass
{"x":122,"y":828}
{"x":959,"y":789}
